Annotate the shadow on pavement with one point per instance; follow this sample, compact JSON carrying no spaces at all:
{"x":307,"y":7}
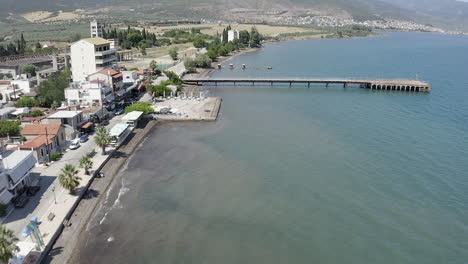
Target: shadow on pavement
{"x":22,"y":213}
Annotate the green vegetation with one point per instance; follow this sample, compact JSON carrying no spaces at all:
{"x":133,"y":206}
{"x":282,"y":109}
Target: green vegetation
{"x":27,"y":101}
{"x":8,"y":245}
{"x":86,"y":163}
{"x":52,"y":91}
{"x":153,"y":66}
{"x":144,"y":107}
{"x":157,"y":90}
{"x":10,"y":128}
{"x":3,"y":75}
{"x":69,"y":178}
{"x":28,"y":68}
{"x":102,"y":138}
{"x":37,"y":113}
{"x":54,"y":156}
{"x":200,"y":61}
{"x":173,"y":52}
{"x":132,"y":38}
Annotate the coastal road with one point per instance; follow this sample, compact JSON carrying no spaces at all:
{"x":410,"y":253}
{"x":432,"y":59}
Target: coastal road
{"x":39,"y":204}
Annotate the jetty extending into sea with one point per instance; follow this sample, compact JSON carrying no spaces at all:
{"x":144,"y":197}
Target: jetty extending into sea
{"x":374,"y":84}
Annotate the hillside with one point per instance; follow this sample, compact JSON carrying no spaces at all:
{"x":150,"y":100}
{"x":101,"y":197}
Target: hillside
{"x":424,"y":11}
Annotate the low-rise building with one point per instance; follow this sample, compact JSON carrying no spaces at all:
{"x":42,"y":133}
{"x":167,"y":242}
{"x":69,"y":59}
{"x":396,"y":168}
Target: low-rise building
{"x":43,"y":139}
{"x":109,"y":76}
{"x":10,"y":91}
{"x":15,"y":173}
{"x":6,"y":113}
{"x":71,"y":120}
{"x":91,"y":93}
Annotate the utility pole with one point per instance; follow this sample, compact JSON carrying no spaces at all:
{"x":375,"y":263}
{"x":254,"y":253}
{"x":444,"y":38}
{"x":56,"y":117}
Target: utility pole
{"x":47,"y":146}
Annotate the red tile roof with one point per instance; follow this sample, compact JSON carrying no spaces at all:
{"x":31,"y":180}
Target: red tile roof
{"x":109,"y":70}
{"x":5,"y":82}
{"x":40,"y":129}
{"x":37,"y":142}
{"x":32,"y":119}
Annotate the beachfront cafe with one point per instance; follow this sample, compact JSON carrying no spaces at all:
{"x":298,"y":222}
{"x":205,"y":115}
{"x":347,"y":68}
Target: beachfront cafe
{"x":119,"y":133}
{"x":133,"y":118}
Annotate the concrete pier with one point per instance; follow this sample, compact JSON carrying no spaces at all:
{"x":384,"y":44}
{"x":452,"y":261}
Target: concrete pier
{"x":373,"y":84}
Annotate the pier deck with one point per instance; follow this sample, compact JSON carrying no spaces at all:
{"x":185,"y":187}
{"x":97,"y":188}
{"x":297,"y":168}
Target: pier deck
{"x":374,"y":84}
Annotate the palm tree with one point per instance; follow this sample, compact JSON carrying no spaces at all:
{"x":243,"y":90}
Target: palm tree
{"x":102,"y":138}
{"x":69,"y":178}
{"x":86,"y":163}
{"x":7,"y":244}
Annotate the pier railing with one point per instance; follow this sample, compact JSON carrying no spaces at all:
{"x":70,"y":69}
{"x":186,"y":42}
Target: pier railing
{"x":374,"y":84}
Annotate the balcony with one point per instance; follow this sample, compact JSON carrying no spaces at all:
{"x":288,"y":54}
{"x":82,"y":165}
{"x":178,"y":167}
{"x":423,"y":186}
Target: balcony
{"x":107,"y":52}
{"x":106,"y":60}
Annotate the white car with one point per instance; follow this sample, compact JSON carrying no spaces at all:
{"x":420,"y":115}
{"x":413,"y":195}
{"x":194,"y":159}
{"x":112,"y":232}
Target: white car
{"x":75,"y":144}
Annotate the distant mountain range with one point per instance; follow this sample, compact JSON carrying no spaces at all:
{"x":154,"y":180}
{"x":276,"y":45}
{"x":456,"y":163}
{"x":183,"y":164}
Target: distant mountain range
{"x":441,"y":12}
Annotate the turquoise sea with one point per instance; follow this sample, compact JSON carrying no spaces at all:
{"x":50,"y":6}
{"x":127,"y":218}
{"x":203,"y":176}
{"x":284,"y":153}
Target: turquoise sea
{"x":305,"y":175}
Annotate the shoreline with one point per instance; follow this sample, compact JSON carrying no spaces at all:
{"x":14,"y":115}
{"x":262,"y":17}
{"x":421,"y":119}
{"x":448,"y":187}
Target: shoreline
{"x":69,"y":241}
{"x":71,"y":238}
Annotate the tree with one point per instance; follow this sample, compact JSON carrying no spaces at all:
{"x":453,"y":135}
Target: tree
{"x":190,"y":65}
{"x":28,"y":68}
{"x":255,"y":38}
{"x":244,"y":37}
{"x":134,"y":38}
{"x":173,"y":52}
{"x":223,"y":51}
{"x":37,"y":113}
{"x":203,"y":61}
{"x":8,"y":245}
{"x":53,"y":89}
{"x":153,"y":66}
{"x":86,"y":163}
{"x":10,"y":128}
{"x":212,"y":53}
{"x":199,"y":43}
{"x":69,"y":178}
{"x":157,"y":90}
{"x":144,"y":107}
{"x":102,"y":138}
{"x":143,"y":50}
{"x":26,"y":101}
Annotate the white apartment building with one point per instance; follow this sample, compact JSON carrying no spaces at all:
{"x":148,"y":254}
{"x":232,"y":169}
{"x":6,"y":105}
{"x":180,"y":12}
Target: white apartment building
{"x":89,"y":56}
{"x":96,"y":29}
{"x":91,"y":93}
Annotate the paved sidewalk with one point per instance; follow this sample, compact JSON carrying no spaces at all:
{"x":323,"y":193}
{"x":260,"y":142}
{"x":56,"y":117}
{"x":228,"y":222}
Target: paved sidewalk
{"x":53,"y":198}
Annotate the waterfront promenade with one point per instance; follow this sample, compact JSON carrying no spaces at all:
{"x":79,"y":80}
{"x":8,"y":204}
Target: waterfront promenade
{"x":373,"y":84}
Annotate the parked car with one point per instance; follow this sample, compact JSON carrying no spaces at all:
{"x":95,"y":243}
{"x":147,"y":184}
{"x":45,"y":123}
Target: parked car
{"x":20,"y":201}
{"x":84,"y":138}
{"x":32,"y":190}
{"x":119,"y":111}
{"x":75,"y":144}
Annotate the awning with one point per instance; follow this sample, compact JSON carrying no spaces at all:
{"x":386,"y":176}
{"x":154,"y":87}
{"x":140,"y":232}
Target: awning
{"x":87,"y":125}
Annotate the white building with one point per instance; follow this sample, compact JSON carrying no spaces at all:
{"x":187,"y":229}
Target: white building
{"x":97,"y":29}
{"x":130,"y":77}
{"x":233,"y":35}
{"x":92,"y":93}
{"x":15,"y":170}
{"x":10,"y":91}
{"x":71,"y":120}
{"x":89,"y":56}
